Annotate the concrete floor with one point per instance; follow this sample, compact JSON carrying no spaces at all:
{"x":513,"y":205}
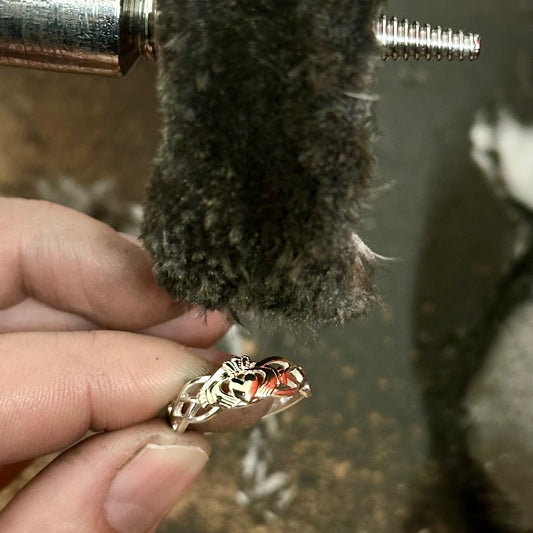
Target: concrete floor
{"x":381,"y":447}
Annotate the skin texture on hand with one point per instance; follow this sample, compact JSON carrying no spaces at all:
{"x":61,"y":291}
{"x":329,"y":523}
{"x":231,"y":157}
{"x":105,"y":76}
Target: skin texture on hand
{"x":89,"y":341}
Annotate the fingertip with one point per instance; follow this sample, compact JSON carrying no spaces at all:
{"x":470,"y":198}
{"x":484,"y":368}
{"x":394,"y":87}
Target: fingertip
{"x":152,"y":481}
{"x":194,"y":327}
{"x":125,"y":480}
{"x":214,"y":356}
{"x":76,"y":264}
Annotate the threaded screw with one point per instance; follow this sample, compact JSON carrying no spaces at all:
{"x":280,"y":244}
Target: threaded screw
{"x":404,"y":40}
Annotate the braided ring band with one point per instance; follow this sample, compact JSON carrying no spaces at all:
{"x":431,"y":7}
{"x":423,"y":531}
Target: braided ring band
{"x":237,"y":383}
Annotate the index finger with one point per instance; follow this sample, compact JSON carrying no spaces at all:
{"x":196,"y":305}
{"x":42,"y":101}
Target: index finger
{"x":76,"y":264}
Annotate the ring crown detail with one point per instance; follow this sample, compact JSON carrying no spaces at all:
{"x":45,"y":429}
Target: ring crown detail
{"x":240,"y":382}
{"x":237,"y":383}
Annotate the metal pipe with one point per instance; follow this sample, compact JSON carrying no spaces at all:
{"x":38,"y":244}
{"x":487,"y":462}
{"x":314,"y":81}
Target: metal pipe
{"x":85,"y":36}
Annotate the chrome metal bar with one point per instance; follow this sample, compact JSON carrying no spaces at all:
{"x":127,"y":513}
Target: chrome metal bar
{"x":87,"y":36}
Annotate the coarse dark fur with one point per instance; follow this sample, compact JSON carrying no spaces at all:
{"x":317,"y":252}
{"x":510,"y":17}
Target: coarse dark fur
{"x":264,"y":156}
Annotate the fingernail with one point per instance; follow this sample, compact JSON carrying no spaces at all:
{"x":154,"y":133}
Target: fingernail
{"x":147,"y":486}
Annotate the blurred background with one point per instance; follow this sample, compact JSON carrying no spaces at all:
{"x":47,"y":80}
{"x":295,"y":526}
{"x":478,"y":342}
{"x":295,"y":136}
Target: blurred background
{"x":421,"y":419}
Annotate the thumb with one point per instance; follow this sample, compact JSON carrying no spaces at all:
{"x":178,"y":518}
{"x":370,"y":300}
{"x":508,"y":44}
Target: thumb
{"x":122,"y":481}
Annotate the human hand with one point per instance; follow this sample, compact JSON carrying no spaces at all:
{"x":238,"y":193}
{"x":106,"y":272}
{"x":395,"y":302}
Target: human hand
{"x":88,"y":342}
